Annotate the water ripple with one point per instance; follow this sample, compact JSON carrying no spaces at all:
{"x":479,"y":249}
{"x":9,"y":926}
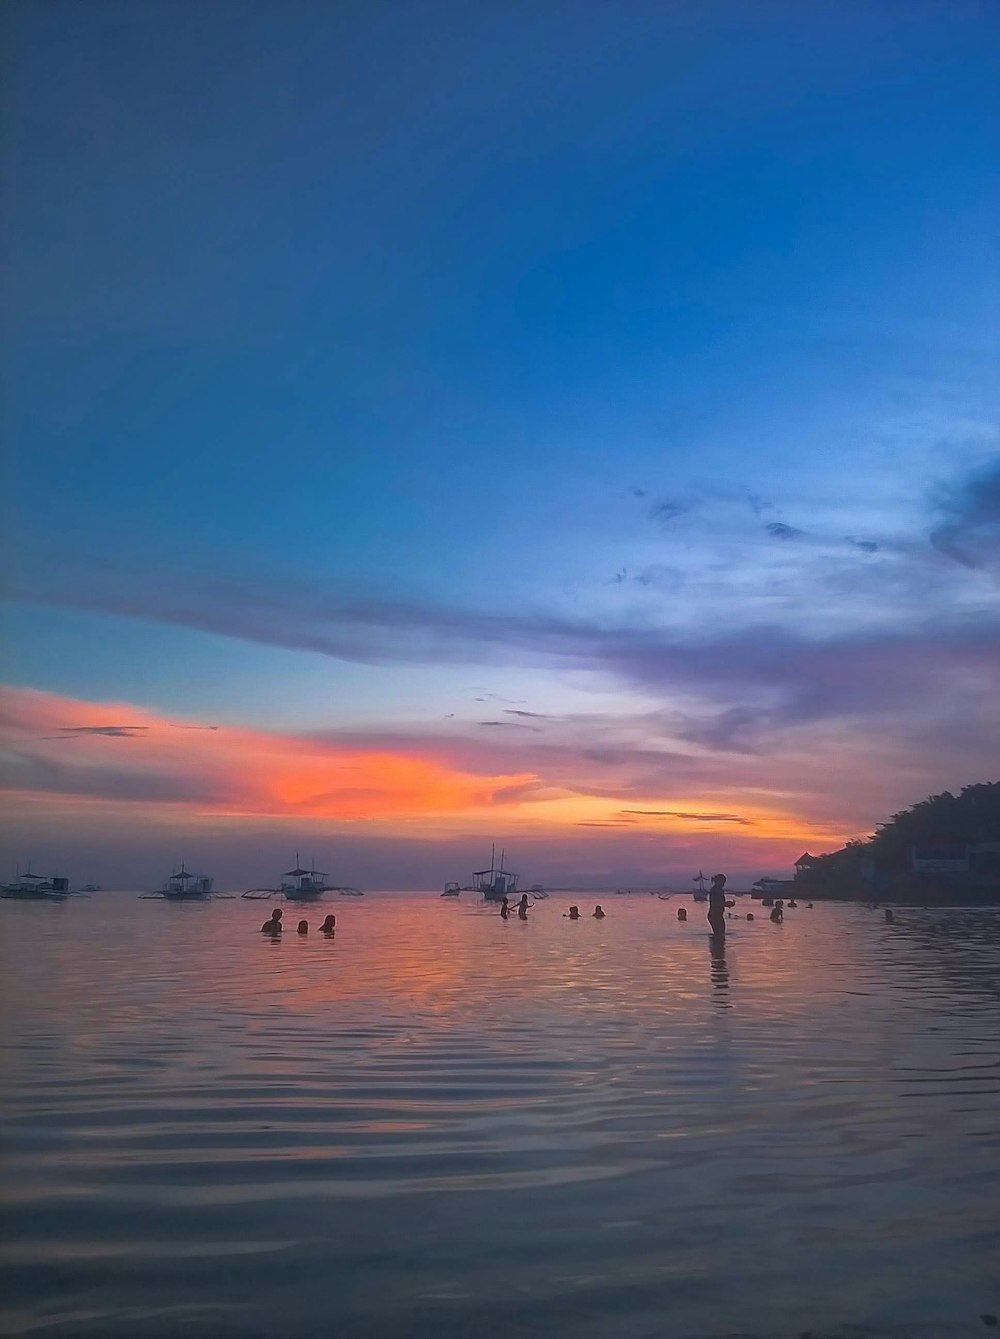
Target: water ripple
{"x":438,"y":1124}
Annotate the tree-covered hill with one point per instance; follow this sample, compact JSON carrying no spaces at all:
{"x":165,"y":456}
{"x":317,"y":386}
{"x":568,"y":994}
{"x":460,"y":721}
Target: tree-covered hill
{"x":912,"y":850}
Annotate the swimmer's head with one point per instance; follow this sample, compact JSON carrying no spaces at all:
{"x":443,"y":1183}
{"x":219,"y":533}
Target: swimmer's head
{"x":720,"y":879}
{"x":330,"y":922}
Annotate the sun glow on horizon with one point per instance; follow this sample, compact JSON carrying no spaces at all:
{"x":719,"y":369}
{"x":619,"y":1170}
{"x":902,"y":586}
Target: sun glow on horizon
{"x":116,"y":758}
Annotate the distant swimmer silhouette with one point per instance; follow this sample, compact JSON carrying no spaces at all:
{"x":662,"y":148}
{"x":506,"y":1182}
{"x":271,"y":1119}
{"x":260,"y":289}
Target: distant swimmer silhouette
{"x":303,"y":928}
{"x":749,"y":915}
{"x":504,"y":908}
{"x":522,"y":908}
{"x":574,"y":913}
{"x":598,"y":912}
{"x":682,"y":914}
{"x":273,"y":926}
{"x":777,"y":915}
{"x":329,"y":926}
{"x":717,"y":904}
{"x":889,"y":917}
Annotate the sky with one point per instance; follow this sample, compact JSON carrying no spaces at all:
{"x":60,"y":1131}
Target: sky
{"x":568,"y":425}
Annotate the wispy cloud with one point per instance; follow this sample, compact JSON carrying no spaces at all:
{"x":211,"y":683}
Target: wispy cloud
{"x":686,"y":814}
{"x":110,"y":731}
{"x":665,"y":511}
{"x":511,"y":725}
{"x":970,"y":530}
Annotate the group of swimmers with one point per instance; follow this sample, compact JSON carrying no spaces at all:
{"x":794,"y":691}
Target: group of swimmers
{"x":273,"y":926}
{"x":717,"y":908}
{"x":718,"y":903}
{"x":522,"y":910}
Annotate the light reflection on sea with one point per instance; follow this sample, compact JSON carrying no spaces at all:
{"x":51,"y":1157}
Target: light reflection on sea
{"x":441,"y":1124}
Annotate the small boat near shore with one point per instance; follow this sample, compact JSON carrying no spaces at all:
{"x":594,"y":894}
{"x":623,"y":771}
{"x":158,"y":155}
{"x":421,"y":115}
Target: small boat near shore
{"x":302,"y":885}
{"x":452,"y":890}
{"x":184,"y":886}
{"x":496,"y":882}
{"x":28,"y":887}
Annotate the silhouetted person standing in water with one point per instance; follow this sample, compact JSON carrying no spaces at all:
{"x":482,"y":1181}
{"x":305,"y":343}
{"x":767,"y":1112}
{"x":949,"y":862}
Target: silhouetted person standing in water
{"x":522,"y":908}
{"x":273,"y":926}
{"x":504,"y":908}
{"x":598,"y":912}
{"x":717,"y":904}
{"x":329,"y":926}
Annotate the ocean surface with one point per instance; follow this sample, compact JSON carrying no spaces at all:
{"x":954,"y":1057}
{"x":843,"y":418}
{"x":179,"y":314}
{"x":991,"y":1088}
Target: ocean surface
{"x":440,"y":1124}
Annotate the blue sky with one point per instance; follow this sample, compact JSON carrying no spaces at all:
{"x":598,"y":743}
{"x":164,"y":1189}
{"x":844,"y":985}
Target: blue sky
{"x":365,"y":360}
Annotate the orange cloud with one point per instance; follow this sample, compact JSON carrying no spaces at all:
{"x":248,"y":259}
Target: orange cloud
{"x":117,"y":752}
{"x":67,"y":753}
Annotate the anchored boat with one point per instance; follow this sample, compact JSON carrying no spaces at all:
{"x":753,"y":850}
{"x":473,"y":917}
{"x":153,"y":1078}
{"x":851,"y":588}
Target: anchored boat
{"x":35,"y":887}
{"x":183,"y":886}
{"x":496,"y":882}
{"x":302,"y":885}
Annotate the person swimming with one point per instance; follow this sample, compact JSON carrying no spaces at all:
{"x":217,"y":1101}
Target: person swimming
{"x":303,"y":927}
{"x":777,"y":915}
{"x":598,"y":912}
{"x":682,"y":914}
{"x":749,"y":915}
{"x":504,"y":908}
{"x":522,"y":908}
{"x":717,"y":904}
{"x":889,"y":917}
{"x":273,"y":926}
{"x":574,"y":913}
{"x":329,"y":926}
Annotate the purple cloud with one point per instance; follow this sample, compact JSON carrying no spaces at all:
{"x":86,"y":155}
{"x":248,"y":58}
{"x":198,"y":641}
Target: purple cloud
{"x":111,"y":731}
{"x":694,"y":817}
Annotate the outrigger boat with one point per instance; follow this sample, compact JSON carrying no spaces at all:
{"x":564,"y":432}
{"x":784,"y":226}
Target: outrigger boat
{"x":35,"y":887}
{"x":700,"y":893}
{"x":302,"y":885}
{"x":496,"y":882}
{"x":184,"y":886}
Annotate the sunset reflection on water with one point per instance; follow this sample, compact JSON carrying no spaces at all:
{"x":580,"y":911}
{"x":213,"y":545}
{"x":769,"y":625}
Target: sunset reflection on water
{"x":552,"y":1126}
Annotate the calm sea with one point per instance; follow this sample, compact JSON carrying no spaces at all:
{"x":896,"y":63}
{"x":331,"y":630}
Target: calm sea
{"x":439,"y":1124}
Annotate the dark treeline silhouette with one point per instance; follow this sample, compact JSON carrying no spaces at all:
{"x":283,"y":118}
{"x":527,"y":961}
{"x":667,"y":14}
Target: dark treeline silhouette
{"x":944,"y":848}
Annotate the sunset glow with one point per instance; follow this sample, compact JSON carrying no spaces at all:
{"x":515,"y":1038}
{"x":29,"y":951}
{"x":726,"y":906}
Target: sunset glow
{"x":584,"y":440}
